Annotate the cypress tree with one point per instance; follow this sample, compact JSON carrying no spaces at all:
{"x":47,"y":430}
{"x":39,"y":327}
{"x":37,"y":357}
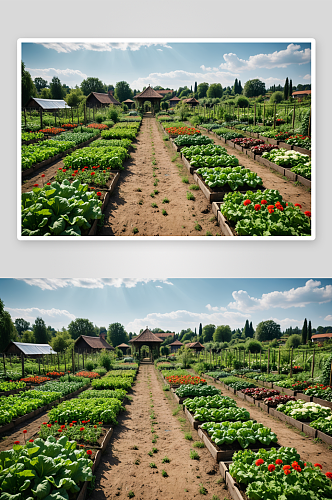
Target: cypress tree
{"x":286,"y":89}
{"x":195,"y":87}
{"x":309,"y":332}
{"x":290,"y":89}
{"x":304,"y":332}
{"x":252,"y":333}
{"x":239,"y":87}
{"x":236,"y":87}
{"x":246,"y":331}
{"x":200,"y":329}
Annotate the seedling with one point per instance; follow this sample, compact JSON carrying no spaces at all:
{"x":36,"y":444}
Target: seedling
{"x":164,"y":212}
{"x":190,"y":196}
{"x":188,"y":436}
{"x":215,"y":498}
{"x":131,"y":494}
{"x":198,"y":227}
{"x":152,"y":195}
{"x":164,"y":473}
{"x":155,"y":450}
{"x":150,"y":453}
{"x":213,"y":218}
{"x":154,"y":174}
{"x":139,"y":190}
{"x":176,"y":411}
{"x":175,"y":157}
{"x":140,"y":202}
{"x":156,"y":182}
{"x":208,"y":233}
{"x":166,"y":388}
{"x":135,"y":447}
{"x":154,"y":205}
{"x":153,"y":465}
{"x":137,"y":462}
{"x":154,"y":440}
{"x":198,"y":444}
{"x":194,"y":455}
{"x":154,"y":162}
{"x":165,"y":460}
{"x":156,"y":191}
{"x":185,"y":180}
{"x":194,"y":187}
{"x":202,"y":490}
{"x":165,"y":200}
{"x":135,"y":230}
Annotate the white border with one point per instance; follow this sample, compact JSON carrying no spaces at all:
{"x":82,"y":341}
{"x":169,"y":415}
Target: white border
{"x":312,"y":41}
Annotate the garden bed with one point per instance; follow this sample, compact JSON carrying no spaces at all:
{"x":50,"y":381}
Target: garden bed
{"x":322,"y":402}
{"x":114,"y":181}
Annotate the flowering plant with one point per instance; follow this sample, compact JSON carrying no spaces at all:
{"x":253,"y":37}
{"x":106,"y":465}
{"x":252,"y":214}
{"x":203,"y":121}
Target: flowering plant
{"x":184,"y":380}
{"x":182,"y":131}
{"x":301,"y":410}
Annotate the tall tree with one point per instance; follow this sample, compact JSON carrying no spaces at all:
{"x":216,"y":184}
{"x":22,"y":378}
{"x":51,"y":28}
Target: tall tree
{"x":290,"y":89}
{"x":74,"y":97}
{"x":56,"y":88}
{"x":92,"y":84}
{"x":304,"y":331}
{"x":215,"y":90}
{"x":286,"y":89}
{"x":7,"y":328}
{"x":222,"y":333}
{"x":309,"y":332}
{"x":123,"y":91}
{"x":267,"y":330}
{"x":246,"y":330}
{"x":28,"y":337}
{"x":61,"y":341}
{"x":251,"y":329}
{"x":40,"y":83}
{"x":40,"y":331}
{"x":236,"y":87}
{"x":21,"y":325}
{"x":81,"y":326}
{"x":202,"y":89}
{"x":46,"y":93}
{"x":240,"y":89}
{"x":254,"y":88}
{"x":195,"y":87}
{"x":200,"y":330}
{"x":208,"y":331}
{"x":116,"y":334}
{"x":27,"y":85}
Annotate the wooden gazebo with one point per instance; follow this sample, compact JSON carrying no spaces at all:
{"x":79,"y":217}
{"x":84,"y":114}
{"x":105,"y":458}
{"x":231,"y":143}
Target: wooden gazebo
{"x":175,"y":346}
{"x":129,"y":103}
{"x":196,"y":346}
{"x":149,"y":94}
{"x":192,"y":102}
{"x":123,"y":347}
{"x":147,"y":338}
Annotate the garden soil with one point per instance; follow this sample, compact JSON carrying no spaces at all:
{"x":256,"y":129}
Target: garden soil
{"x":117,"y":474}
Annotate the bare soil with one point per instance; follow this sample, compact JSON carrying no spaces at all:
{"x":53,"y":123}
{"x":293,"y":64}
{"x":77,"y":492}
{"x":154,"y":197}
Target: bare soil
{"x":118,"y":474}
{"x":32,"y":426}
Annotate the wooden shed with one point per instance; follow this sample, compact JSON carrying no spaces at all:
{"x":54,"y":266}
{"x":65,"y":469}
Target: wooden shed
{"x":196,"y":346}
{"x":28,"y":350}
{"x":191,"y":102}
{"x":174,"y":101}
{"x":101,"y":100}
{"x":88,"y":344}
{"x":175,"y":346}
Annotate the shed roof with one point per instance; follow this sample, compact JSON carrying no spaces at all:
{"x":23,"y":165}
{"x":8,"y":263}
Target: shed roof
{"x":104,"y":98}
{"x":164,"y":92}
{"x":33,"y":349}
{"x":47,"y":104}
{"x":321,"y":336}
{"x":164,"y":335}
{"x":95,"y":342}
{"x":148,"y":92}
{"x":299,"y":92}
{"x":192,"y":99}
{"x":194,"y":344}
{"x":175,"y":99}
{"x":146,"y":336}
{"x":128,"y":100}
{"x":123,"y":345}
{"x":176,"y":342}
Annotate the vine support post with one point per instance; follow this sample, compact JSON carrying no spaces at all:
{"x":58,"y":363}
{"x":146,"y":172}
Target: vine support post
{"x":291,"y":363}
{"x":313,"y":364}
{"x":22,"y":362}
{"x":279,"y":362}
{"x":249,"y":360}
{"x":274,"y":117}
{"x":4,"y":363}
{"x":293,"y":118}
{"x":268,"y":361}
{"x":260,"y":360}
{"x":73,"y":361}
{"x":331,"y":374}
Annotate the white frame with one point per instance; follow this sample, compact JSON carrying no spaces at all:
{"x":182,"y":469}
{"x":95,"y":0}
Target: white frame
{"x":312,"y":41}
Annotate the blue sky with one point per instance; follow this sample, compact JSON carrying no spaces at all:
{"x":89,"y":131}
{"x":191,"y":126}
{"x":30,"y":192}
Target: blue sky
{"x":169,"y":64}
{"x":172,"y":304}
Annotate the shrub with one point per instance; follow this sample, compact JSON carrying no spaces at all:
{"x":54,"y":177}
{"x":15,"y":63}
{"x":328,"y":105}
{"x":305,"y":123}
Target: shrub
{"x":253,"y":346}
{"x":99,"y":118}
{"x":293,"y":341}
{"x":276,"y":97}
{"x":89,"y":365}
{"x":105,"y":360}
{"x":242,"y":102}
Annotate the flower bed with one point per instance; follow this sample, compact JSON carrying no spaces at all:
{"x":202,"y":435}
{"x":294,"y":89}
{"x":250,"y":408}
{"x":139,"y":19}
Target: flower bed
{"x":97,"y":126}
{"x":85,"y":374}
{"x":59,"y":210}
{"x":83,"y":432}
{"x":94,"y":176}
{"x":301,"y":141}
{"x":182,"y":131}
{"x":70,"y":125}
{"x":52,"y":130}
{"x":274,"y":401}
{"x":319,"y":391}
{"x":35,"y":380}
{"x":184,"y":380}
{"x":55,"y":374}
{"x":279,"y":474}
{"x":301,"y":410}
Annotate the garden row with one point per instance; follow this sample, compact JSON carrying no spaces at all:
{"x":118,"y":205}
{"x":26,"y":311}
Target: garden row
{"x":82,"y":187}
{"x":59,"y":463}
{"x":239,"y":201}
{"x":250,"y":459}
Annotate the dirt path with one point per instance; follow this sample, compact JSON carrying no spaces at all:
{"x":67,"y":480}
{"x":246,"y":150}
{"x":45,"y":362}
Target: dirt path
{"x":130,"y":208}
{"x":117,"y":473}
{"x":271,"y":179}
{"x":308,"y":448}
{"x":32,"y":426}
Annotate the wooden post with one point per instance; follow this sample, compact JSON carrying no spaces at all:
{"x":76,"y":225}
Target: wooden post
{"x":4,"y":364}
{"x":248,"y":112}
{"x":274,"y":117}
{"x":72,"y":115}
{"x":85,"y":114}
{"x":22,"y":362}
{"x":264,"y":113}
{"x":249,"y":360}
{"x":293,"y":118}
{"x":38,"y":365}
{"x":291,"y":363}
{"x":78,"y":116}
{"x":83,"y":359}
{"x":73,"y":360}
{"x":260,"y":360}
{"x":331,"y":374}
{"x":210,"y":358}
{"x":279,"y":362}
{"x":65,"y":361}
{"x":313,"y":364}
{"x":41,"y":118}
{"x":309,"y":124}
{"x":58,"y":363}
{"x":255,"y":115}
{"x":93,"y":113}
{"x":268,"y":361}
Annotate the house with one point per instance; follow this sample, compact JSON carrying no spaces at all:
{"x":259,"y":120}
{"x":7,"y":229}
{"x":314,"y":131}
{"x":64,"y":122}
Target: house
{"x":175,"y":346}
{"x":174,"y":101}
{"x":164,"y":92}
{"x":88,"y":344}
{"x":321,"y":337}
{"x":197,"y":346}
{"x":163,"y":335}
{"x":191,"y":102}
{"x":300,"y":94}
{"x":101,"y":100}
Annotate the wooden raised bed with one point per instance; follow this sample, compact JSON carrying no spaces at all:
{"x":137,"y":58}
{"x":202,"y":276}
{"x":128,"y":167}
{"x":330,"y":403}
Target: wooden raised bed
{"x":300,"y":395}
{"x":194,"y":423}
{"x":269,"y":164}
{"x":93,"y":229}
{"x":188,"y":166}
{"x":322,"y":402}
{"x":302,"y":150}
{"x":284,"y":145}
{"x":324,"y":437}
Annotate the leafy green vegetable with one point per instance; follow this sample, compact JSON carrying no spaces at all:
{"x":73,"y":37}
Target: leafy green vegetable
{"x":245,"y":433}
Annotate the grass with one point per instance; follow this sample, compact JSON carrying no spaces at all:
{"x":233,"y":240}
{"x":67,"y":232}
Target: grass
{"x":198,"y":444}
{"x":188,"y":436}
{"x":165,"y":138}
{"x":164,"y":212}
{"x":317,"y":440}
{"x":135,"y":230}
{"x":154,"y":205}
{"x":175,"y":157}
{"x":190,"y":196}
{"x":202,"y":490}
{"x":165,"y":460}
{"x":185,"y":180}
{"x":165,"y":200}
{"x":164,"y":473}
{"x":131,"y":494}
{"x":156,"y":182}
{"x":154,"y":440}
{"x":198,"y":227}
{"x":213,"y":218}
{"x":208,"y":233}
{"x":215,"y":497}
{"x":166,"y":388}
{"x":194,"y":455}
{"x":152,"y":465}
{"x":194,"y":187}
{"x":176,"y":411}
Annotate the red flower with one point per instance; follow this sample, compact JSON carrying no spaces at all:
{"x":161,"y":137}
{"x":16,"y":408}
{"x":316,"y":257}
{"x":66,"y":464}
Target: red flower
{"x":48,"y":184}
{"x":89,"y":452}
{"x":318,"y":465}
{"x":95,"y":426}
{"x":56,"y":421}
{"x":278,"y":461}
{"x":59,"y":430}
{"x":49,"y":425}
{"x":73,"y":175}
{"x":286,"y":467}
{"x":62,"y":426}
{"x":30,"y":440}
{"x":74,"y":422}
{"x":287,"y":471}
{"x":307,"y":213}
{"x":100,"y":423}
{"x":93,"y":173}
{"x":280,"y":207}
{"x":60,"y":168}
{"x":25,"y":431}
{"x":270,"y":207}
{"x":43,"y":175}
{"x":99,"y":193}
{"x":260,"y":461}
{"x":328,"y":474}
{"x":35,"y":185}
{"x":271,"y":467}
{"x":64,"y":170}
{"x":298,"y":205}
{"x":257,"y":207}
{"x":263,"y":202}
{"x":16,"y":442}
{"x":82,"y":429}
{"x":246,"y":202}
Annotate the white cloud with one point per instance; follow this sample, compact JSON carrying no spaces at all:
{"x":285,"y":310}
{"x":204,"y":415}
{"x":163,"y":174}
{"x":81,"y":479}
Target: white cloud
{"x":328,"y":317}
{"x":287,"y":322}
{"x":55,"y":283}
{"x":215,"y":308}
{"x":311,"y":292}
{"x":67,"y":47}
{"x":180,"y":78}
{"x":307,"y":77}
{"x":182,"y":319}
{"x":281,"y":59}
{"x":68,"y":76}
{"x":160,"y":50}
{"x":54,"y":317}
{"x":157,"y":286}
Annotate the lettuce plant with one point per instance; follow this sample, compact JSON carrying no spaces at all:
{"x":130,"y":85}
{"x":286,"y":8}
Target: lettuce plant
{"x":104,"y":157}
{"x":209,"y":150}
{"x":216,"y":401}
{"x":233,"y":178}
{"x":196,"y":390}
{"x":245,"y":433}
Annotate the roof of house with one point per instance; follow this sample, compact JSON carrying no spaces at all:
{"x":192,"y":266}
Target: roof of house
{"x":175,"y":99}
{"x":95,"y":342}
{"x":104,"y":98}
{"x":164,"y":335}
{"x":176,"y":342}
{"x":301,"y":92}
{"x":194,"y":344}
{"x":47,"y":104}
{"x":148,"y":92}
{"x":146,"y":336}
{"x":123,"y":345}
{"x":164,"y":92}
{"x":32,"y":349}
{"x":192,"y":99}
{"x":128,"y":100}
{"x":321,"y":336}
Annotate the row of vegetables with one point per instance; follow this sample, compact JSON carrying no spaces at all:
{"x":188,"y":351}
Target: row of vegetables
{"x":55,"y":464}
{"x":255,"y":212}
{"x":272,"y":472}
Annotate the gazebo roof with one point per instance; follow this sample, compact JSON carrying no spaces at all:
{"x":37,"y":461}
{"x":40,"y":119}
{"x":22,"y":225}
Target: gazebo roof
{"x":192,"y":99}
{"x":175,"y":99}
{"x":194,"y":344}
{"x":149,"y":92}
{"x":146,"y":336}
{"x":128,"y":100}
{"x":104,"y":98}
{"x":176,"y":342}
{"x":123,"y":345}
